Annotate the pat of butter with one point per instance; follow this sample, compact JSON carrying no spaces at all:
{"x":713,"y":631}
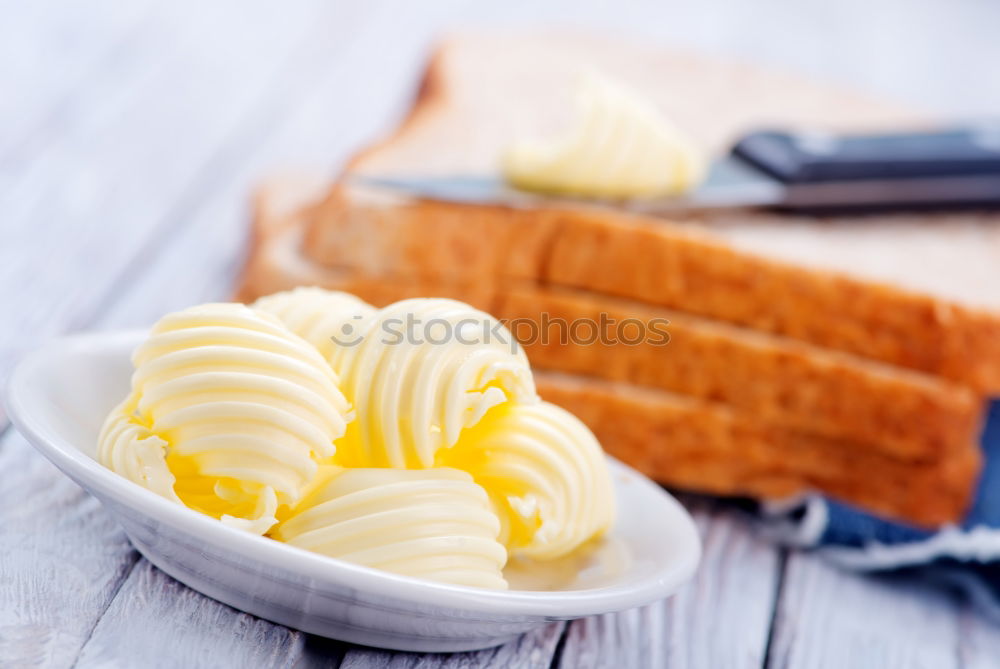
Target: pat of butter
{"x":434,"y":523}
{"x":426,"y":369}
{"x":330,"y":320}
{"x":620,"y":147}
{"x":229,"y":414}
{"x":545,"y":473}
{"x":417,"y":372}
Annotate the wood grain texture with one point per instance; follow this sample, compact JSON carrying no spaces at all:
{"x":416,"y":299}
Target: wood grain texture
{"x":62,"y":560}
{"x":979,"y":641}
{"x":131,"y":154}
{"x":720,"y":620}
{"x":830,"y":618}
{"x":154,"y":616}
{"x":125,"y":160}
{"x":50,"y":53}
{"x":627,"y":639}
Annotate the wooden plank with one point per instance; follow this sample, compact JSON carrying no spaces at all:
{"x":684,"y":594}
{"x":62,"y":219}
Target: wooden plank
{"x":51,"y":49}
{"x":97,"y":104}
{"x":208,"y":233}
{"x":979,"y":643}
{"x":62,"y":560}
{"x":828,"y":617}
{"x":154,"y":617}
{"x":721,"y":620}
{"x":629,"y":639}
{"x":102,"y":189}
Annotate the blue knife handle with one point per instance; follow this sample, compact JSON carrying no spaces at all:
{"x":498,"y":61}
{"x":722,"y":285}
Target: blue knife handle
{"x":816,"y":157}
{"x":952,"y":168}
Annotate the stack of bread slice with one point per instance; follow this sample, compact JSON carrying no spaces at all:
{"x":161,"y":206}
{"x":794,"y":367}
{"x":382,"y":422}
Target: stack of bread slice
{"x":851,"y":357}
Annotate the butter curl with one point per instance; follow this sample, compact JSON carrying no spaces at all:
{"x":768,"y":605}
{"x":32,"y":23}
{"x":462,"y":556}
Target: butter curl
{"x":546,"y":474}
{"x":232,"y":405}
{"x":620,"y":147}
{"x":435,"y":524}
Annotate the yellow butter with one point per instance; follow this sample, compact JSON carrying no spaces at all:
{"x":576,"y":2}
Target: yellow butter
{"x":451,"y":462}
{"x":543,"y":469}
{"x":234,"y":407}
{"x":546,"y":474}
{"x":435,"y":524}
{"x":620,"y":147}
{"x":427,"y":369}
{"x":131,"y":449}
{"x":330,"y":320}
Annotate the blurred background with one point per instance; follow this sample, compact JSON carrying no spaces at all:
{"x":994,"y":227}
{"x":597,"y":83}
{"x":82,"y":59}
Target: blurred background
{"x":132,"y":133}
{"x":161,"y":115}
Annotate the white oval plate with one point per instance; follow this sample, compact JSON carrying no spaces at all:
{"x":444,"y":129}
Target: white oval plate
{"x":58,"y":397}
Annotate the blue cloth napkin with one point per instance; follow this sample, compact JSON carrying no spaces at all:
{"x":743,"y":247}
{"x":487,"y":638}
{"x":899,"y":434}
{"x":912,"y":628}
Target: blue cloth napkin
{"x":966,"y":555}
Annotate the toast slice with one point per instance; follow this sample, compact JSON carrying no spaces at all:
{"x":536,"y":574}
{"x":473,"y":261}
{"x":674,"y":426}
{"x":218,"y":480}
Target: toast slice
{"x":910,"y":290}
{"x":783,"y":381}
{"x":660,"y":264}
{"x":688,"y":442}
{"x":710,"y":448}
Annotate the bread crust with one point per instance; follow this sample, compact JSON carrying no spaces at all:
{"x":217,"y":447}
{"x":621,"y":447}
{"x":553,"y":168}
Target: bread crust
{"x":697,"y":443}
{"x":661,"y":264}
{"x":710,"y":448}
{"x":783,"y":382}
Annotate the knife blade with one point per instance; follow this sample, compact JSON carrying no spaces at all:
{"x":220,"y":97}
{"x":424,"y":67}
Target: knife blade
{"x":794,"y":172}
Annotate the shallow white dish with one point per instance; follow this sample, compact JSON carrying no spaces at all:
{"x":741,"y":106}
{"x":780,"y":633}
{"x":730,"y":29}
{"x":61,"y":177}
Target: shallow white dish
{"x":58,"y":397}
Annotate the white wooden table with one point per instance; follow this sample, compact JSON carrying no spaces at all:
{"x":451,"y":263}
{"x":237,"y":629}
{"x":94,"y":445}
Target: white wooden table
{"x":130,"y":135}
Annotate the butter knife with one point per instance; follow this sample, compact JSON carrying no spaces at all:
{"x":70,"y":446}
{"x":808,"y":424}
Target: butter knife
{"x":801,"y":172}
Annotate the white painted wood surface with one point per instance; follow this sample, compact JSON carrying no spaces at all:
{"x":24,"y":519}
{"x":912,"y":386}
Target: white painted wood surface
{"x":857,"y":621}
{"x":130,"y":134}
